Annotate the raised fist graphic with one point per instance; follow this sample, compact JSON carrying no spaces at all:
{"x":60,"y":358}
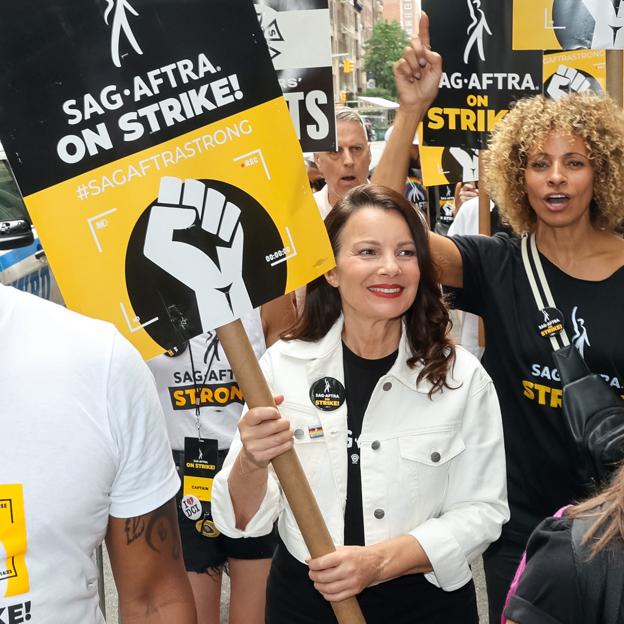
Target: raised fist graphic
{"x":566,"y":80}
{"x":218,"y":283}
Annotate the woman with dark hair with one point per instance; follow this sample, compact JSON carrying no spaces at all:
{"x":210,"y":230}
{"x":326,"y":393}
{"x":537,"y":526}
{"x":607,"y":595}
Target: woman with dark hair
{"x":395,"y":428}
{"x":575,"y":565}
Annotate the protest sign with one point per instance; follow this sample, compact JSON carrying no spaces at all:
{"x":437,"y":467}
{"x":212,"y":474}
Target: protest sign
{"x":568,"y":24}
{"x":574,"y":72}
{"x":482,"y":74}
{"x":158,"y":161}
{"x":157,"y":157}
{"x":298,"y":35}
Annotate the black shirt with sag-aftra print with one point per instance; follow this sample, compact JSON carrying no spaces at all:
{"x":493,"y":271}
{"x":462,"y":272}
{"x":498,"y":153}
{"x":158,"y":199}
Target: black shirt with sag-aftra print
{"x":539,"y":456}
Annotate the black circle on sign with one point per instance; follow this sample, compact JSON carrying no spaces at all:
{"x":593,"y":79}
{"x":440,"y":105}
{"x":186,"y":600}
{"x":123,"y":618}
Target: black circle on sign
{"x":155,"y":293}
{"x":327,"y":394}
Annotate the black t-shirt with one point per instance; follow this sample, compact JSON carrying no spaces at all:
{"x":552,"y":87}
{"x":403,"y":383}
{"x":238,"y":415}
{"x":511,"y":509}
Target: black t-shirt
{"x":415,"y":192}
{"x":540,"y":457}
{"x":361,"y":376}
{"x":548,"y":591}
{"x":561,"y":584}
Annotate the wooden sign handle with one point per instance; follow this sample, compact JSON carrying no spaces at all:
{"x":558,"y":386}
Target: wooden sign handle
{"x":287,"y":466}
{"x":615,"y":69}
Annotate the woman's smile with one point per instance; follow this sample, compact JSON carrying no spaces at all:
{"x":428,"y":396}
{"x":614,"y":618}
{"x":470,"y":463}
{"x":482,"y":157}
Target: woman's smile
{"x":388,"y":291}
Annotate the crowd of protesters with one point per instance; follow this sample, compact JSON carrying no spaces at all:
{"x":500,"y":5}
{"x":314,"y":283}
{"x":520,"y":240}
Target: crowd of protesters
{"x":427,"y":459}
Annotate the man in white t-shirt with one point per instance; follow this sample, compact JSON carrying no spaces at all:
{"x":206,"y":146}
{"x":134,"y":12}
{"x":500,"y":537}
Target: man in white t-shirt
{"x":85,"y":456}
{"x":348,"y":166}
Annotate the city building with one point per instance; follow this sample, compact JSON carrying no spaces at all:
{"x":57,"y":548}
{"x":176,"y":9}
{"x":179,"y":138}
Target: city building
{"x":404,"y":12}
{"x":352,"y":24}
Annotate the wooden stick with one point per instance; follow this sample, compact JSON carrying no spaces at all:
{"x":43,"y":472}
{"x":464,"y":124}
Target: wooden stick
{"x":485,"y":222}
{"x":615,"y":75}
{"x":485,"y":227}
{"x":287,"y":466}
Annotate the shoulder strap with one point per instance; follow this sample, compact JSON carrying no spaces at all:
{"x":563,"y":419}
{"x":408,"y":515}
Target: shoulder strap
{"x":600,"y":582}
{"x":547,"y":298}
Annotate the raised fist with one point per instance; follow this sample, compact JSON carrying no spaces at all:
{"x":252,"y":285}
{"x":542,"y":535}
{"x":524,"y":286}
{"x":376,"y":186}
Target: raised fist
{"x":219,"y":287}
{"x":566,"y":80}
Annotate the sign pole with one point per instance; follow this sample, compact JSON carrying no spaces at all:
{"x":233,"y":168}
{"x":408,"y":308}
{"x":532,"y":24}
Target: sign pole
{"x":485,"y":224}
{"x":485,"y":228}
{"x":287,"y":466}
{"x":615,"y":75}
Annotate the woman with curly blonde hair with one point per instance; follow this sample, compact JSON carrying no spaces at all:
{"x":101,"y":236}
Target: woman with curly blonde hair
{"x":594,"y":119}
{"x":556,"y":169}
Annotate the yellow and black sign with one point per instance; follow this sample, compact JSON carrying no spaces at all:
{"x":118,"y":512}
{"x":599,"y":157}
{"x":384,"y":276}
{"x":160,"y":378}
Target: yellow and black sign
{"x":574,"y":71}
{"x":13,"y":542}
{"x":299,"y":38}
{"x":567,"y":25}
{"x":482,"y":74}
{"x":158,"y":161}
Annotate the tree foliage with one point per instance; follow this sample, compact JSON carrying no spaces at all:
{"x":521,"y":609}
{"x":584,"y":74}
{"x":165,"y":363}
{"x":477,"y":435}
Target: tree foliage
{"x":384,"y":48}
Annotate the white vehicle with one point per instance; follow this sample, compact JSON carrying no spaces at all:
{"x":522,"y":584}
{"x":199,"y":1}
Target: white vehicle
{"x":23,"y":262}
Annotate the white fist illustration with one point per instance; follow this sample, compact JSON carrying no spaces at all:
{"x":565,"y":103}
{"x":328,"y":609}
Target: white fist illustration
{"x":566,"y":80}
{"x":220,"y":290}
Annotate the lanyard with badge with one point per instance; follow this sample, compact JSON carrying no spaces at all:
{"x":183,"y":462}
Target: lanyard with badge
{"x":200,"y":465}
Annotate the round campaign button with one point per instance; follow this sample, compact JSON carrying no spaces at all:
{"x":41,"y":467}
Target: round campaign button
{"x":327,"y":394}
{"x":207,"y":528}
{"x":550,"y":322}
{"x":191,"y":507}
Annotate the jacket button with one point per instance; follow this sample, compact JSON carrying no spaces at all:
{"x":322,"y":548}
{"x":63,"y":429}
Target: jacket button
{"x":299,"y":434}
{"x":379,"y":513}
{"x":375,"y":444}
{"x":435,"y":457}
{"x":387,"y":386}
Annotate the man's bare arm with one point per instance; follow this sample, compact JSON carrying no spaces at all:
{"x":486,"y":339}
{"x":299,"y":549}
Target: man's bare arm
{"x":146,"y":558}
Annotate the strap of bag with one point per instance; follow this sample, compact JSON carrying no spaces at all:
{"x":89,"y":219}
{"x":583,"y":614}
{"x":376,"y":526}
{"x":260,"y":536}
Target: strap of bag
{"x":544,"y":297}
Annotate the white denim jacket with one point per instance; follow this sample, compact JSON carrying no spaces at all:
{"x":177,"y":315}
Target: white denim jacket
{"x":432,"y":468}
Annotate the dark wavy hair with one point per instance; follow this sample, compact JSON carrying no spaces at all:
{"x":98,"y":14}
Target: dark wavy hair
{"x":427,"y":322}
